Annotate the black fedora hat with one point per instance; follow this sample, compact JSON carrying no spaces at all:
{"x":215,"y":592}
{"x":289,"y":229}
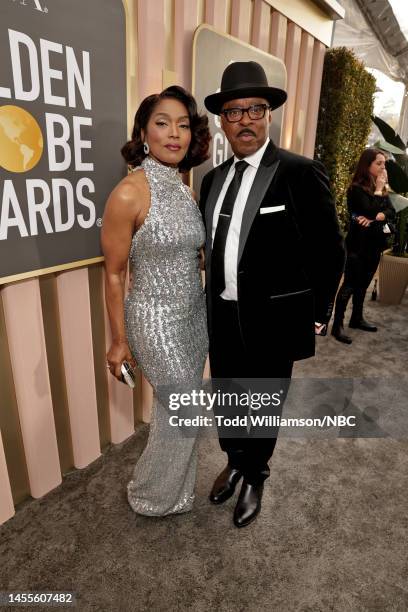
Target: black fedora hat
{"x":244,"y":80}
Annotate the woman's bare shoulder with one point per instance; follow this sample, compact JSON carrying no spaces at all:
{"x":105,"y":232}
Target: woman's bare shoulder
{"x":134,"y":184}
{"x":131,"y":191}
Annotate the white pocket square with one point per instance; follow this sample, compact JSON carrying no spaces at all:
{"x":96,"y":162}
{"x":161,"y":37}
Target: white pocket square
{"x":271,"y":209}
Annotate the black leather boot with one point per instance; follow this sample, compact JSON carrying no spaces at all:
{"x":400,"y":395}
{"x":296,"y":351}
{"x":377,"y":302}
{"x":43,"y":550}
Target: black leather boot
{"x":224,"y":485}
{"x":357,"y":320}
{"x":248,"y":504}
{"x":342,"y":299}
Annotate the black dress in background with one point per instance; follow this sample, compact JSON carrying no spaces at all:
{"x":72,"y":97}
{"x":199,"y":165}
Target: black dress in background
{"x":365,"y":244}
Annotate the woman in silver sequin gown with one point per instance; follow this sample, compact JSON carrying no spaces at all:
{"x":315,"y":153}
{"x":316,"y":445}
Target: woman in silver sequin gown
{"x":162,"y":325}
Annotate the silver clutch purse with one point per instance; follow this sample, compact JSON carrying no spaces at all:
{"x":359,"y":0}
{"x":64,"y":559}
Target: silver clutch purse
{"x":128,"y":374}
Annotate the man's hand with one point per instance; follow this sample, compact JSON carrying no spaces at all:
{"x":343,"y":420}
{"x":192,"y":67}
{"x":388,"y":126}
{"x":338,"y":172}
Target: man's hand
{"x":201,"y":258}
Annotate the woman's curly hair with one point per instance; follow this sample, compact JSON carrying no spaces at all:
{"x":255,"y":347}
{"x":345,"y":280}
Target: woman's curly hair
{"x":197,"y":153}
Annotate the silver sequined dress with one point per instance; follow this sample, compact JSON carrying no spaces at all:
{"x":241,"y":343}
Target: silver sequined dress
{"x":166,"y":327}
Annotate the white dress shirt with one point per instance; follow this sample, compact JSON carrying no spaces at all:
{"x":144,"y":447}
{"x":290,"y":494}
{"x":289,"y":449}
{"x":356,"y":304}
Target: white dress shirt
{"x":231,"y":245}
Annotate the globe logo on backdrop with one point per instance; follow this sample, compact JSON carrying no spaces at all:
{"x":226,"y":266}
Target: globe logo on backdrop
{"x":21,"y":139}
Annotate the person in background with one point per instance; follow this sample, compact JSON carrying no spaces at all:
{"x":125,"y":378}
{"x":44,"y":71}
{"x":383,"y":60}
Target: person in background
{"x":152,"y":221}
{"x":370,"y":211}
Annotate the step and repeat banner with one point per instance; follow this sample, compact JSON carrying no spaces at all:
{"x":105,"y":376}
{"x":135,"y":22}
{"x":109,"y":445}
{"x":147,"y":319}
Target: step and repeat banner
{"x":62,"y":125}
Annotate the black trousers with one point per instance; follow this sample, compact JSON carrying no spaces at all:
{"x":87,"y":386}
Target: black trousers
{"x":359,"y":270}
{"x":230,"y":359}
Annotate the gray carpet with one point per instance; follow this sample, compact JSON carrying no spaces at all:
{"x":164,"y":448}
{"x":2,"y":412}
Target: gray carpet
{"x":332,"y":535}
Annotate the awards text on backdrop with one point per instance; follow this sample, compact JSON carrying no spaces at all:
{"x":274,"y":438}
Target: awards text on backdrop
{"x":65,"y":142}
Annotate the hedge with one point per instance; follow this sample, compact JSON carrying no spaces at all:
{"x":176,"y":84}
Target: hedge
{"x":344,"y":123}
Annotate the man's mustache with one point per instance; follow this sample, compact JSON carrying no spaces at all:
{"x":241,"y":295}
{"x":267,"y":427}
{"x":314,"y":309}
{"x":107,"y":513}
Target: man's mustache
{"x":246,"y":131}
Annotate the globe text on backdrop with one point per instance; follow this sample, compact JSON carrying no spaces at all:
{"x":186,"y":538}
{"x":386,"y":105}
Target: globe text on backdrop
{"x":21,"y":140}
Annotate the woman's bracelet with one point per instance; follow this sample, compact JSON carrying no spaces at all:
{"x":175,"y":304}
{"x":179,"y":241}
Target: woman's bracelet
{"x":378,"y":193}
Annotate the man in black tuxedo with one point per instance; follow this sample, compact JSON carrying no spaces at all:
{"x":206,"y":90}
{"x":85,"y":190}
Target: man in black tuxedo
{"x":274,"y":257}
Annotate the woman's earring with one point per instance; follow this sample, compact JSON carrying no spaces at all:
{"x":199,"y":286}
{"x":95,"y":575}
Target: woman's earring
{"x":146,"y":148}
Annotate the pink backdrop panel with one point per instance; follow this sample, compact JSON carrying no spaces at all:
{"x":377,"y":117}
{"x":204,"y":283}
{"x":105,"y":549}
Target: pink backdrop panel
{"x":261,"y":25}
{"x":241,"y":19}
{"x":302,"y":97}
{"x":216,"y":14}
{"x":279,"y":26}
{"x":151,"y":45}
{"x":121,"y":415}
{"x":76,"y":334}
{"x":294,"y":37}
{"x":25,"y":333}
{"x":186,"y":21}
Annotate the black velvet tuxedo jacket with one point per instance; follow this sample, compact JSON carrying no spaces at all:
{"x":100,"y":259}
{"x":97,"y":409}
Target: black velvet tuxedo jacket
{"x":289,"y":261}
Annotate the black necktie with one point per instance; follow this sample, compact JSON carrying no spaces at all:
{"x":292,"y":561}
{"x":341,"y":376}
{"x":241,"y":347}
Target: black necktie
{"x":221,"y":232}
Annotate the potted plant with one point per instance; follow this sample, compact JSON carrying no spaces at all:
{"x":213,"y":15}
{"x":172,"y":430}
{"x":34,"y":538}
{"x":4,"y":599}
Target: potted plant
{"x":393,"y":276}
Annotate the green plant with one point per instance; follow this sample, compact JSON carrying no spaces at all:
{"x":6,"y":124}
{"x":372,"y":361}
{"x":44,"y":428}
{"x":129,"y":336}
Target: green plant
{"x":346,"y":106}
{"x":398,"y":180}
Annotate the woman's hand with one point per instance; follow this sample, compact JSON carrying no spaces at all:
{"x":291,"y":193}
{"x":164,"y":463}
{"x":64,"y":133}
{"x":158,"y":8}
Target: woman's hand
{"x":381,"y":181}
{"x":380,"y":217}
{"x":201,"y":258}
{"x":117,"y":354}
{"x":361,"y":220}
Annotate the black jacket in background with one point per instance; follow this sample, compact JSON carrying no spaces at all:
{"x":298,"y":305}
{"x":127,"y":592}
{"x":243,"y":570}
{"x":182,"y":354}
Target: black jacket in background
{"x":367,"y":242}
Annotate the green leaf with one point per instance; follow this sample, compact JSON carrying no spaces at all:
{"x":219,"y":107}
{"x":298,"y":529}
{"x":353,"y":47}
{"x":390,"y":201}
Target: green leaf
{"x":397,"y":178}
{"x":398,"y":201}
{"x":400,"y":241}
{"x":386,"y":146}
{"x":389,"y":134}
